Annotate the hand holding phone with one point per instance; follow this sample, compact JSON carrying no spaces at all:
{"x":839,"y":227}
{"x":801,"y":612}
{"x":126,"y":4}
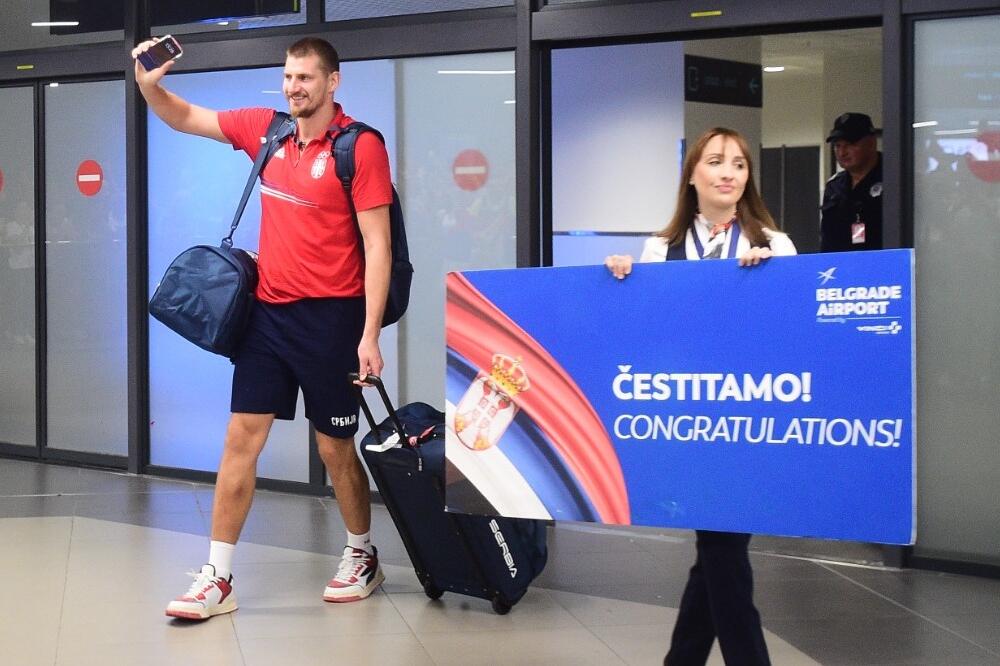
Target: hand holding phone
{"x":160,"y":53}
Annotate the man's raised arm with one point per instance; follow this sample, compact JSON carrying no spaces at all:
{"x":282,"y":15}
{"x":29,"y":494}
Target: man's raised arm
{"x":176,"y":112}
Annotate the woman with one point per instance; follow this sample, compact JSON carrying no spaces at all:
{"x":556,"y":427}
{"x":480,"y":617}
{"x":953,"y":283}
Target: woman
{"x":719,"y":215}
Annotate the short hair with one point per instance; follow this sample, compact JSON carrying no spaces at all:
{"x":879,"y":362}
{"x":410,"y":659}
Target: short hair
{"x":328,"y":58}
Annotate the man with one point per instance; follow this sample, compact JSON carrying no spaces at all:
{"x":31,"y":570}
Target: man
{"x":852,"y":200}
{"x":319,"y":310}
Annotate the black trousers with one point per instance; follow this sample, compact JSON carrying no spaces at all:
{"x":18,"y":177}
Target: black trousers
{"x":718,"y":603}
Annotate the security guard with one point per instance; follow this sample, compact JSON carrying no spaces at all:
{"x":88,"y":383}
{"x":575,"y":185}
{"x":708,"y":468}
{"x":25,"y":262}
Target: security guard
{"x":852,"y":200}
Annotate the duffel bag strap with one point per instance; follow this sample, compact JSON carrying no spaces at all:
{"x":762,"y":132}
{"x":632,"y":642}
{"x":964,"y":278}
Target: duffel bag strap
{"x":281,"y":127}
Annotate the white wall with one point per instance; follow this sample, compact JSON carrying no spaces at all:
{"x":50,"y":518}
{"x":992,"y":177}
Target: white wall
{"x":617,"y":122}
{"x":793,"y":111}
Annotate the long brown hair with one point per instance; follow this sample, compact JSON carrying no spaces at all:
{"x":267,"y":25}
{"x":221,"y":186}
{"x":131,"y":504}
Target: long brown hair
{"x":750,"y":209}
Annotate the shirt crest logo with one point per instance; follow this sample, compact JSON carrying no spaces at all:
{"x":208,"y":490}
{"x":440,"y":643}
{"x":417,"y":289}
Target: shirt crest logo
{"x":876,"y":190}
{"x":319,"y":165}
{"x":487,"y":409}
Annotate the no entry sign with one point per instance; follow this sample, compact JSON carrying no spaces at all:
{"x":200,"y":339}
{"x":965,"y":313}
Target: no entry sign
{"x":983,"y":166}
{"x":470,"y":169}
{"x":89,"y":178}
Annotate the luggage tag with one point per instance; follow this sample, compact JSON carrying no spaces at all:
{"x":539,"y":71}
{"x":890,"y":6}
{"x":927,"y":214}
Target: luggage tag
{"x":391,"y":442}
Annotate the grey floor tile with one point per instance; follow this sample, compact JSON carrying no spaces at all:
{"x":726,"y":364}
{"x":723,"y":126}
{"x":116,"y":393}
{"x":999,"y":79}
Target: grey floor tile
{"x":861,"y":639}
{"x":454,"y":613}
{"x":604,"y":566}
{"x":525,"y":647}
{"x":931,"y":592}
{"x":594,"y":611}
{"x":170,"y":652}
{"x":820,"y":601}
{"x":287,"y":617}
{"x":657,"y":593}
{"x":36,"y":505}
{"x":386,"y":650}
{"x":109,"y":621}
{"x":981,"y":629}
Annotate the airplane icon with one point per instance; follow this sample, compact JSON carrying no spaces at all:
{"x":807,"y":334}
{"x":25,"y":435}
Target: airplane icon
{"x":827,"y":275}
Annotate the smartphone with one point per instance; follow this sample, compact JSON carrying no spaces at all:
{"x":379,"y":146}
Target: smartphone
{"x":160,"y":53}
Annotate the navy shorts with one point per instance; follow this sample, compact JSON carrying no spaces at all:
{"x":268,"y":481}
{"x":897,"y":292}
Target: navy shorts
{"x":310,"y":344}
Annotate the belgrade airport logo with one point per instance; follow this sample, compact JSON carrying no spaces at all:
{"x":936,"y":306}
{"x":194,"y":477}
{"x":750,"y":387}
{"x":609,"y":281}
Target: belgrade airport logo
{"x":867,"y":307}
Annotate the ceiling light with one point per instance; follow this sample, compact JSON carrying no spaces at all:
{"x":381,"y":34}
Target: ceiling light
{"x":54,"y":84}
{"x":475,"y":71}
{"x":54,"y":24}
{"x":925,"y":123}
{"x":961,"y":131}
{"x":509,"y":101}
{"x":774,"y":68}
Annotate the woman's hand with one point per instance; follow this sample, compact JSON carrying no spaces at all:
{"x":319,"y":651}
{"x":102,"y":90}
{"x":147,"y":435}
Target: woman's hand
{"x":620,"y":265}
{"x":755,"y":255}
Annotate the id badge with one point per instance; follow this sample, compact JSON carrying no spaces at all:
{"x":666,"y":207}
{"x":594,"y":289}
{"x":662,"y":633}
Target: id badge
{"x":858,"y":233}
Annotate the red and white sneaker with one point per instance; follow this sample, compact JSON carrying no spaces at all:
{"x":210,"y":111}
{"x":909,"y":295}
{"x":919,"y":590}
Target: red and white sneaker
{"x":208,"y":595}
{"x":357,"y":576}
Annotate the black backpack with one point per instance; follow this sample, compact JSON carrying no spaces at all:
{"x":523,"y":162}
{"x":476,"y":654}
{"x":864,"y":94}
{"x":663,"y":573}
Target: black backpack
{"x":402,"y":270}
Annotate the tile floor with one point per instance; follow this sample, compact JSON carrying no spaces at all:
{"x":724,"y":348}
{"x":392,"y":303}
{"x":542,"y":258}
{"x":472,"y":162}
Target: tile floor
{"x":91,"y":557}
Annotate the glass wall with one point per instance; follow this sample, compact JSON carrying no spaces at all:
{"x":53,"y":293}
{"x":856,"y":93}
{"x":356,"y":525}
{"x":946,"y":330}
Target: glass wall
{"x":456,"y":119}
{"x":956,"y":208}
{"x":17,"y":266}
{"x":85,"y":267}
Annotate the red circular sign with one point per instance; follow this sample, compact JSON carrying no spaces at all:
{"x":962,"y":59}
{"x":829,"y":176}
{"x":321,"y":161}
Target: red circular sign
{"x":89,"y":178}
{"x":470,"y":169}
{"x":987,"y":170}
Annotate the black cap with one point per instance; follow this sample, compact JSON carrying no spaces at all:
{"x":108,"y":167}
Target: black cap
{"x":851,"y":127}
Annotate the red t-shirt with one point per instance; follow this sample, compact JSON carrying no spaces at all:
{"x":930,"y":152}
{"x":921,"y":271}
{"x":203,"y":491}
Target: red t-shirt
{"x":308,"y":241}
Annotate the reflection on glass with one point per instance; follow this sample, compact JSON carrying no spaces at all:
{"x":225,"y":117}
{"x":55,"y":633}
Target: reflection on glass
{"x":85,"y":267}
{"x":956,"y":207}
{"x":17,"y":267}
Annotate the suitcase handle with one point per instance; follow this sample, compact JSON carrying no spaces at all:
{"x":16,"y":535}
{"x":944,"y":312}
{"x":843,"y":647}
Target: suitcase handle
{"x":375,"y":381}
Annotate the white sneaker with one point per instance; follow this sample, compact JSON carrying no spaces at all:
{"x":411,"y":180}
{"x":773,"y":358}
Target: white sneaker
{"x":208,"y":595}
{"x":357,"y":576}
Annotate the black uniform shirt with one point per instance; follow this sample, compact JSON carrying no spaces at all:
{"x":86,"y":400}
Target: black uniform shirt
{"x":843,"y":206}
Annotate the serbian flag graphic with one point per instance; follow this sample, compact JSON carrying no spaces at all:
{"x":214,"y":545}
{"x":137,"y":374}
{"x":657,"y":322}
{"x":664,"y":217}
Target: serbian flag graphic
{"x":522,"y":438}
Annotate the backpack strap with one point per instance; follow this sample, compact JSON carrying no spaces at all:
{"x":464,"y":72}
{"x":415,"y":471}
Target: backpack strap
{"x":343,"y":141}
{"x":280,"y":128}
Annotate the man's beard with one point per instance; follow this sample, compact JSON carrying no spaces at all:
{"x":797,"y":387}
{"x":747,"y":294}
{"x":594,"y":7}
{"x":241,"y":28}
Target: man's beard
{"x":301,"y":112}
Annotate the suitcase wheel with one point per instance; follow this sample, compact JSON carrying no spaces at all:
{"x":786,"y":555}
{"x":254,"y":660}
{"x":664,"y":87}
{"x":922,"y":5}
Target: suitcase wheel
{"x":500,"y":605}
{"x":431,"y":591}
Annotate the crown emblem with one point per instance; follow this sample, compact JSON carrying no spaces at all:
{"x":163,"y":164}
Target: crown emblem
{"x":509,"y":375}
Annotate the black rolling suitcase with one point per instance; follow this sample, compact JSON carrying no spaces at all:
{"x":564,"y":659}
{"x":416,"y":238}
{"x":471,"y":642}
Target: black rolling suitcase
{"x":491,"y":558}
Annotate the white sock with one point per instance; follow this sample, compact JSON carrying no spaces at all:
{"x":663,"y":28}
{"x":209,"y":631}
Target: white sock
{"x":220,"y":556}
{"x":360,"y":541}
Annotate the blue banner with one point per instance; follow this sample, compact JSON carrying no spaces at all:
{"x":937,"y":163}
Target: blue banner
{"x":776,"y":399}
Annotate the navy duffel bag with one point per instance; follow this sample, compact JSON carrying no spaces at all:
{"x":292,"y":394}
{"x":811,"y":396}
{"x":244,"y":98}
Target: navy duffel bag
{"x":206,"y":296}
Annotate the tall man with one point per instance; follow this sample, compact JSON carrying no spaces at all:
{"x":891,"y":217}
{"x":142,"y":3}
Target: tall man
{"x":319,"y":311}
{"x":852,"y":200}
